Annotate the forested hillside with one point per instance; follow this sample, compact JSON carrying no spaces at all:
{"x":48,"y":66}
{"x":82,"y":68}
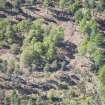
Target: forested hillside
{"x":52,"y":52}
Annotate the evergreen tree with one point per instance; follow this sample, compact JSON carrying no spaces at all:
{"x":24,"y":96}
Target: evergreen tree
{"x":98,"y":57}
{"x":101,"y":5}
{"x":83,"y":46}
{"x":78,"y":16}
{"x":15,"y":98}
{"x":6,"y":101}
{"x":17,"y":4}
{"x":62,"y":3}
{"x":46,"y":4}
{"x":99,"y":39}
{"x":74,"y":6}
{"x":27,"y":56}
{"x":101,"y":74}
{"x":2,"y":3}
{"x":30,"y":101}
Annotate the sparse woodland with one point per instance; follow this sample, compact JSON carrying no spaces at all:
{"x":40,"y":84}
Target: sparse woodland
{"x":52,"y":52}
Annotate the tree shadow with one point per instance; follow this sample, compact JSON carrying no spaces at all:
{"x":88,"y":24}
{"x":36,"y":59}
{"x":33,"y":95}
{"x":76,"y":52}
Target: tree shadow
{"x":27,"y":88}
{"x":47,"y":86}
{"x":75,"y":77}
{"x":70,"y":80}
{"x":47,"y":20}
{"x":69,"y":49}
{"x":10,"y":12}
{"x":2,"y":15}
{"x":62,"y":15}
{"x":101,"y":24}
{"x":27,"y":15}
{"x":65,"y":52}
{"x":33,"y":9}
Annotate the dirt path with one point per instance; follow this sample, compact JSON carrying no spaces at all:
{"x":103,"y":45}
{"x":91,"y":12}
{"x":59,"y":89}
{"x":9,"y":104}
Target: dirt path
{"x":73,"y":36}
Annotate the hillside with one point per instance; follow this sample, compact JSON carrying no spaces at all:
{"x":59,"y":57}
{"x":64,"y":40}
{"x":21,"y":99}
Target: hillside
{"x":52,"y":52}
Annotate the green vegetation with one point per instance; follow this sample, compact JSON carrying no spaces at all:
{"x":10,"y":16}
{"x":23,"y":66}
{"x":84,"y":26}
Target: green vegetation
{"x":2,"y":3}
{"x":40,"y":46}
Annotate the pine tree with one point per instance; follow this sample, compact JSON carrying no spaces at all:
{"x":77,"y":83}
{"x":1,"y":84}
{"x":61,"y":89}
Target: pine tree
{"x":6,"y":101}
{"x":46,"y":4}
{"x":78,"y":16}
{"x":2,"y":3}
{"x":101,"y":74}
{"x":62,"y":3}
{"x":98,"y":56}
{"x":15,"y":98}
{"x":30,"y":101}
{"x":101,"y":5}
{"x":27,"y":56}
{"x":83,"y":46}
{"x":99,"y":39}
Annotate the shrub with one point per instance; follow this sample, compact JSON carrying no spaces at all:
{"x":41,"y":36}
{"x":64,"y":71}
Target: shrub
{"x":98,"y":56}
{"x":11,"y":65}
{"x":91,"y":47}
{"x":62,"y":3}
{"x":2,"y":3}
{"x":3,"y":66}
{"x":27,"y":56}
{"x":99,"y":39}
{"x":39,"y":47}
{"x":87,"y":13}
{"x":6,"y":100}
{"x":23,"y":26}
{"x":15,"y":98}
{"x":46,"y":3}
{"x":14,"y":49}
{"x":83,"y":25}
{"x":74,"y":6}
{"x":101,"y":74}
{"x":83,"y":47}
{"x":78,"y":16}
